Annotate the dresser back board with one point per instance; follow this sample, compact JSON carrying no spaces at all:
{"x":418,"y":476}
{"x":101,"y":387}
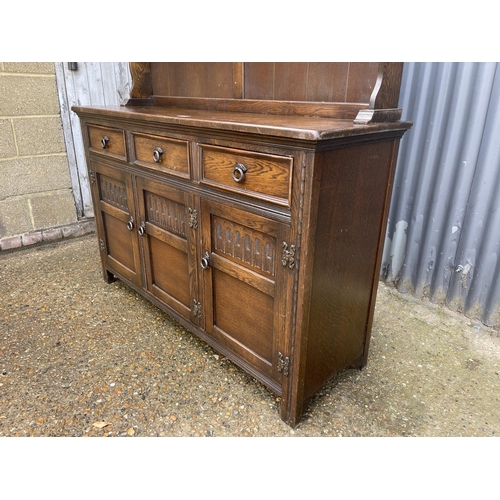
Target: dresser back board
{"x":326,"y":89}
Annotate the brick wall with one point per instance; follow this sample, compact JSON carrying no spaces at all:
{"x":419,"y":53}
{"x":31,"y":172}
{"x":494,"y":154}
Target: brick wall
{"x":36,"y":199}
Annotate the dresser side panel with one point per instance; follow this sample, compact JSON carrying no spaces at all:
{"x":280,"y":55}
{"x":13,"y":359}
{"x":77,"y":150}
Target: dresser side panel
{"x":351,"y":212}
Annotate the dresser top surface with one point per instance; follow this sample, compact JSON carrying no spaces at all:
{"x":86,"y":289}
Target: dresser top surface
{"x":308,"y":128}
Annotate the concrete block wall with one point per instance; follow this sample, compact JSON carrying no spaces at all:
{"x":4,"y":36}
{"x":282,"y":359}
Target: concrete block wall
{"x":36,"y":199}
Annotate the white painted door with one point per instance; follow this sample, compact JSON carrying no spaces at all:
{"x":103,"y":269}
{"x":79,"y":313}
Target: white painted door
{"x":92,"y":83}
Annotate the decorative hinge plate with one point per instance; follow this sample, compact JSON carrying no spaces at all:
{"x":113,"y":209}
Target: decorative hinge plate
{"x":193,"y":218}
{"x":93,"y":178}
{"x":103,"y":245}
{"x":196,"y":308}
{"x":283,"y":364}
{"x":288,"y":256}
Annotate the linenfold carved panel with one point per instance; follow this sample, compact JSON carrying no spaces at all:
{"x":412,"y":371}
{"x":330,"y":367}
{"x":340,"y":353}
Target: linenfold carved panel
{"x":240,"y":243}
{"x":113,"y":192}
{"x":166,"y":213}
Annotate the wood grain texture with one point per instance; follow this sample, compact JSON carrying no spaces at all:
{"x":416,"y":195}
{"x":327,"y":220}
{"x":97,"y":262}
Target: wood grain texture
{"x":380,"y":249}
{"x":195,"y":79}
{"x":257,"y":223}
{"x":142,"y":85}
{"x":165,"y":243}
{"x":306,"y":211}
{"x":114,"y":207}
{"x":388,"y":85}
{"x":266,"y":175}
{"x":264,"y":125}
{"x":238,"y":80}
{"x":119,"y":242}
{"x":259,"y":81}
{"x":350,"y":210}
{"x":327,"y":82}
{"x":290,"y":81}
{"x":169,"y":271}
{"x":175,"y":156}
{"x":361,"y":81}
{"x":236,"y":287}
{"x":115,"y":145}
{"x":243,"y":319}
{"x":312,"y":82}
{"x":243,"y":274}
{"x":337,"y":110}
{"x":385,"y":96}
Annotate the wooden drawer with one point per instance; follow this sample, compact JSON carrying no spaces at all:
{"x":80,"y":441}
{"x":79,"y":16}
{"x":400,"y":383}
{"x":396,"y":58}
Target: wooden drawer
{"x":162,"y":153}
{"x":107,"y":140}
{"x":262,"y":176}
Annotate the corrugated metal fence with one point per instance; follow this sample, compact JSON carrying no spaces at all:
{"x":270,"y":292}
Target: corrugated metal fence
{"x":443,"y":238}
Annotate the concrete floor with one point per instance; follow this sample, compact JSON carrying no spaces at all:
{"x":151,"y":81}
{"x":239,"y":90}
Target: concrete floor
{"x":79,"y":357}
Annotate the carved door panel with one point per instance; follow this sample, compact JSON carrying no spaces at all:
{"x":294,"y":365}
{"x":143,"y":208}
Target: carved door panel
{"x":115,"y":220}
{"x":247,"y":290}
{"x":167,"y":229}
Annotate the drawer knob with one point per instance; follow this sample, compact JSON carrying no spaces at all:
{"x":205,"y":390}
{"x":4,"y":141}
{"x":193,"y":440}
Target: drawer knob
{"x":130,"y":224}
{"x":205,"y":262}
{"x":157,"y":154}
{"x":142,"y":229}
{"x":239,"y":172}
{"x":104,"y":142}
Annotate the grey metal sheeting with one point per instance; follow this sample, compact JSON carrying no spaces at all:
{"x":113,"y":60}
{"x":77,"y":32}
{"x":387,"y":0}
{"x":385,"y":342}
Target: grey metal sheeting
{"x":443,"y":237}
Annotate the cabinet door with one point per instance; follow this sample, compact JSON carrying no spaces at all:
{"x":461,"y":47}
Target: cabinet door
{"x":115,"y":220}
{"x":247,"y":289}
{"x":168,"y":227}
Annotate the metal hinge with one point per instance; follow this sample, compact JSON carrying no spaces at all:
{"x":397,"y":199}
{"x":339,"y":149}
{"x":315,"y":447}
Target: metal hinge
{"x":288,"y":256}
{"x":283,"y":364}
{"x":193,"y":218}
{"x":102,"y":245}
{"x":196,"y":308}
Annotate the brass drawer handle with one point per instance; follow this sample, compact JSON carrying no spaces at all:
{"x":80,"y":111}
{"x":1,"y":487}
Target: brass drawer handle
{"x":130,"y":224}
{"x":104,"y":142}
{"x":205,"y":262}
{"x":157,"y":154}
{"x":239,"y":172}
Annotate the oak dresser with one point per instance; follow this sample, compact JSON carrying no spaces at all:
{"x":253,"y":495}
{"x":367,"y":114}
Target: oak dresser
{"x":249,"y":201}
